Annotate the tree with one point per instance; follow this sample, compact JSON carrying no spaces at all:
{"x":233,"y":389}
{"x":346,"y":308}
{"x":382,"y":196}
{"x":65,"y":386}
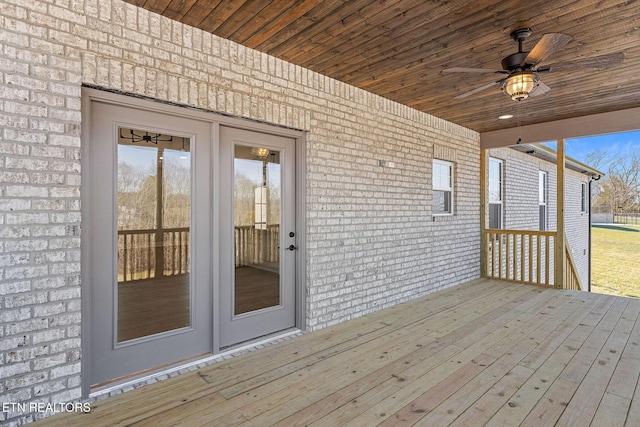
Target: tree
{"x":619,"y":190}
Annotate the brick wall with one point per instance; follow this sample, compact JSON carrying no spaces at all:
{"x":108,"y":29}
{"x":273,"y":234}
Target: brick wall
{"x":521,"y":201}
{"x":372,"y":241}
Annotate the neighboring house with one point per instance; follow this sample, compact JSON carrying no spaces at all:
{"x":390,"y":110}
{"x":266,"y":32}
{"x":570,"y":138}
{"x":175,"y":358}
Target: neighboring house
{"x":379,"y":203}
{"x":522,"y":196}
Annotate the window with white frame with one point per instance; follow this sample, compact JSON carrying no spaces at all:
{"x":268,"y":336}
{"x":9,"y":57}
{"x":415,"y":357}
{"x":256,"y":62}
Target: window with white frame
{"x":442,"y":187}
{"x":584,"y":203}
{"x":542,"y":199}
{"x":495,"y":193}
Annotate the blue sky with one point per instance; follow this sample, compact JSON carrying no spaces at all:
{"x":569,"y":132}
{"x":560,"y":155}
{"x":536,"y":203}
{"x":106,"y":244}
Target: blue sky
{"x":617,"y":144}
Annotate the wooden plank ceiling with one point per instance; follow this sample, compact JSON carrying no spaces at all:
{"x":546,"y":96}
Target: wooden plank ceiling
{"x":398,"y":49}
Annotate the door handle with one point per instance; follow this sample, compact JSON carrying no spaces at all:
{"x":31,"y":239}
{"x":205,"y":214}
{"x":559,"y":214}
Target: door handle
{"x":291,"y":248}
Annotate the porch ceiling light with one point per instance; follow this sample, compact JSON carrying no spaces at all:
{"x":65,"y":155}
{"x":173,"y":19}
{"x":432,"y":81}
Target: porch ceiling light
{"x":520,"y":84}
{"x":260,"y":152}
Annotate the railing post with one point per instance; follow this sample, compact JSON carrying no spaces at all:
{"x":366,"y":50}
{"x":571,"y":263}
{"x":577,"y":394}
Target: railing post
{"x":559,"y":250}
{"x":483,"y":212}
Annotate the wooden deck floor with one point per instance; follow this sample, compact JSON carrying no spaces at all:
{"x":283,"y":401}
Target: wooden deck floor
{"x":483,"y":353}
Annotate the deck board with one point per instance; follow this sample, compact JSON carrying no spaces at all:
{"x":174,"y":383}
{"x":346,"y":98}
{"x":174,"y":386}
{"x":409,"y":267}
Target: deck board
{"x":482,"y":353}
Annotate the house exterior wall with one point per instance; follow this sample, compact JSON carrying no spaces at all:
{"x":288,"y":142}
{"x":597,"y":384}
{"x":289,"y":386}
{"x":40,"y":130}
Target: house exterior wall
{"x":521,"y":201}
{"x":371,"y":239}
{"x":577,"y":223}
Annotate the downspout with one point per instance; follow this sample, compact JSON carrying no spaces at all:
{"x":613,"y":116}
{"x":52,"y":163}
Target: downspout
{"x":590,"y":225}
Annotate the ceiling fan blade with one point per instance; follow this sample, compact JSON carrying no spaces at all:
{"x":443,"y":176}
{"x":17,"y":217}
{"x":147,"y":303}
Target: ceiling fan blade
{"x":473,"y":70}
{"x":478,"y":89}
{"x":541,"y":89}
{"x":548,"y":44}
{"x":597,"y":62}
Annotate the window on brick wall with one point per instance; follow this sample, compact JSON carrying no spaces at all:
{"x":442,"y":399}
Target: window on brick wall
{"x":495,"y":193}
{"x":542,"y":199}
{"x":584,"y":203}
{"x":442,"y":187}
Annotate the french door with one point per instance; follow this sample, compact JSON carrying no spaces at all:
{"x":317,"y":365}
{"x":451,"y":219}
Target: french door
{"x":148,"y":240}
{"x":189,"y":238}
{"x":257,"y":235}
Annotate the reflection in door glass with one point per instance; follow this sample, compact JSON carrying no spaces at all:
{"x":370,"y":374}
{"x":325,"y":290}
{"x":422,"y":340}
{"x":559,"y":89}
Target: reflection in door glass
{"x":257,"y":228}
{"x":154,"y":221}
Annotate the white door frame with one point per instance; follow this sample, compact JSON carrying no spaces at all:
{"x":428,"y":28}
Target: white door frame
{"x":90,"y":95}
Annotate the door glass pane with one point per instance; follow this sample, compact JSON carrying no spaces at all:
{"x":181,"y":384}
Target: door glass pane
{"x":257,"y":228}
{"x":154,"y":222}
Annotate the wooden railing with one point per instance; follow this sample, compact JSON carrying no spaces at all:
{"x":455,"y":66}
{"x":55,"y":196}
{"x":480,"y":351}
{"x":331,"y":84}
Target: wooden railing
{"x":254,"y":246}
{"x":526,"y":256}
{"x":520,"y":255}
{"x":571,"y":276}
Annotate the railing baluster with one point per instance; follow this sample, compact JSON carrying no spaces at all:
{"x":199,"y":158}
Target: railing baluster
{"x":538,"y":260}
{"x":507,"y":256}
{"x":515,"y":256}
{"x":494,"y":256}
{"x":148,"y":250}
{"x":124,"y":257}
{"x":488,"y":249}
{"x":530,"y":259}
{"x":522,"y":258}
{"x":179,"y":262}
{"x":236,"y":246}
{"x":185,"y":259}
{"x":547,"y":258}
{"x":499,"y":245}
{"x":498,"y":256}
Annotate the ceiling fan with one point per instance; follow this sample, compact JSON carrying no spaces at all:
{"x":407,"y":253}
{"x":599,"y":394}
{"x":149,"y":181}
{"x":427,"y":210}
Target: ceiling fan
{"x":522,"y":70}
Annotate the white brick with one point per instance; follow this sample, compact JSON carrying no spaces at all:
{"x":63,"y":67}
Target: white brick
{"x":13,"y":288}
{"x":49,"y":362}
{"x":14,"y":315}
{"x":64,"y":371}
{"x":12,"y":369}
{"x":26,"y":380}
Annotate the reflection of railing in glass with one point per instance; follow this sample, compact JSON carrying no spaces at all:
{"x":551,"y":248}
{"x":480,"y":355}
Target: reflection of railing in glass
{"x":255,"y":246}
{"x":137,"y":251}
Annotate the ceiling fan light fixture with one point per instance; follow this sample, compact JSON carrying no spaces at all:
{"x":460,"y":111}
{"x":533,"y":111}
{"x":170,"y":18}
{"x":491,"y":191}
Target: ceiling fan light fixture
{"x":520,"y":84}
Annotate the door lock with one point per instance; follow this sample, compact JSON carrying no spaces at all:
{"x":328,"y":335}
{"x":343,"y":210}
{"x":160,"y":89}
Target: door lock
{"x":291,"y":248}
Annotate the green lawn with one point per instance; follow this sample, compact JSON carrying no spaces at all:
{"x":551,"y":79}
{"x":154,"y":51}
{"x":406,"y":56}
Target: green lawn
{"x":616,"y":260}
